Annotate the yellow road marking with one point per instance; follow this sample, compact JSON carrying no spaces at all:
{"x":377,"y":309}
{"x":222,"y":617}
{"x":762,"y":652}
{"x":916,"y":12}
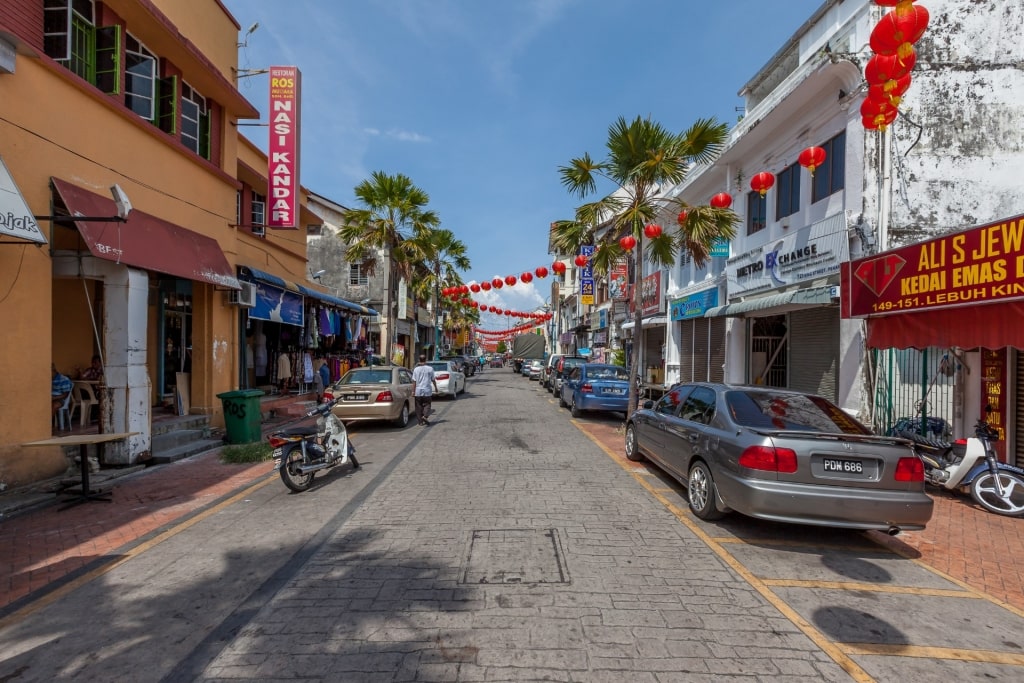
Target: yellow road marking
{"x":67,"y":588}
{"x":871,"y":587}
{"x":979,"y":656}
{"x":788,"y":543}
{"x":827,"y":646}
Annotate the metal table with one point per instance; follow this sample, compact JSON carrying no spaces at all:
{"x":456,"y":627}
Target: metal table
{"x":83,"y":441}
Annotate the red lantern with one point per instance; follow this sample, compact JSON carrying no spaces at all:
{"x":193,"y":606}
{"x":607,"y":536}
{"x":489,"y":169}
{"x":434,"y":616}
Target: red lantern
{"x":762,"y":182}
{"x":681,"y":218}
{"x":870,"y":107}
{"x":497,"y":283}
{"x":627,"y":242}
{"x":811,"y":158}
{"x":474,"y":288}
{"x":541,"y":272}
{"x":507,"y":311}
{"x":722,"y":200}
{"x":581,"y":261}
{"x":881,"y":69}
{"x":652,"y":230}
{"x":466,"y":302}
{"x":510,"y":280}
{"x":898,"y":30}
{"x":558,"y":267}
{"x":879,"y":121}
{"x":890,"y":91}
{"x":464,"y":289}
{"x":526,"y":277}
{"x":486,"y":286}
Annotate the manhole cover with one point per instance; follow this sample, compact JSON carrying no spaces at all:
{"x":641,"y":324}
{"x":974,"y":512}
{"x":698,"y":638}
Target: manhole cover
{"x":506,"y":556}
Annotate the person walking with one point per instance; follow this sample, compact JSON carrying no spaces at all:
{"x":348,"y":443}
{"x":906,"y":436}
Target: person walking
{"x":426,"y":385}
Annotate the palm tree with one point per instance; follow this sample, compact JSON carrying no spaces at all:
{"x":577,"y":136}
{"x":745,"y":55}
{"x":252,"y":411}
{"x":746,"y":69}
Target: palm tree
{"x":392,"y":213}
{"x":443,"y":256}
{"x":643,"y":160}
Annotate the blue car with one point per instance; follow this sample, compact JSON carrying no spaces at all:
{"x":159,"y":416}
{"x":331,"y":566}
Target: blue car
{"x":595,"y":386}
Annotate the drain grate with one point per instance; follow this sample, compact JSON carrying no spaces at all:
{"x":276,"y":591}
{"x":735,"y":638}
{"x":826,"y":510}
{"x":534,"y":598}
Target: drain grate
{"x":513,"y":556}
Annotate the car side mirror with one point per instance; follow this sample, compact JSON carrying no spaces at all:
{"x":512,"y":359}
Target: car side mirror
{"x":648,"y":404}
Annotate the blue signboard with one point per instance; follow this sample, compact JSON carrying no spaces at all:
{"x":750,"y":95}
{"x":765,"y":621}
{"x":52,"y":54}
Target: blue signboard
{"x":277,"y":305}
{"x":694,"y":305}
{"x":587,"y":276}
{"x":720,"y":247}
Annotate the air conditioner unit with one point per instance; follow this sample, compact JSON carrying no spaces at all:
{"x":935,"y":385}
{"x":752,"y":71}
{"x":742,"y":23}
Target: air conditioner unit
{"x":245,"y":297}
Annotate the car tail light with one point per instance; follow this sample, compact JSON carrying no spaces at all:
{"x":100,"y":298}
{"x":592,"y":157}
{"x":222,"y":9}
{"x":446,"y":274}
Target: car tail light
{"x":961,"y":442}
{"x":442,"y":375}
{"x":587,"y":389}
{"x":328,"y":397}
{"x":276,"y":441}
{"x":385,"y":397}
{"x":769,"y":459}
{"x":910,"y":469}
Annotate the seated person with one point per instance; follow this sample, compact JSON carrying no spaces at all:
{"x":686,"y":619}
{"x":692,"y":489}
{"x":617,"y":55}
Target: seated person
{"x":93,"y":373}
{"x":60,"y":389}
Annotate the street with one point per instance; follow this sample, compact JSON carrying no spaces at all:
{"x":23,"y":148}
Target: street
{"x":503,"y":542}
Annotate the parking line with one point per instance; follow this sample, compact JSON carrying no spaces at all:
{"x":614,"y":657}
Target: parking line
{"x":827,"y":646}
{"x":789,"y":543}
{"x":872,"y":587}
{"x":946,"y":653}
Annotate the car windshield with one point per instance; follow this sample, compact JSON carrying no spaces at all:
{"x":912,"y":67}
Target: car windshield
{"x":439,"y":365}
{"x":366,"y":376}
{"x":776,"y":410}
{"x":609,"y":372}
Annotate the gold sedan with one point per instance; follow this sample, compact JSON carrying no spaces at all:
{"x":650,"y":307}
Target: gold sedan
{"x":374,"y":393}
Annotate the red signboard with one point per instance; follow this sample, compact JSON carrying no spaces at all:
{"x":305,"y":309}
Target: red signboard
{"x":283,"y":150}
{"x":977,"y":266}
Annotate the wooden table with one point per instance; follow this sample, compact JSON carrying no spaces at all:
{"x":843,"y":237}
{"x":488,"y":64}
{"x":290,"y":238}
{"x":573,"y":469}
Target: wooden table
{"x":83,"y":441}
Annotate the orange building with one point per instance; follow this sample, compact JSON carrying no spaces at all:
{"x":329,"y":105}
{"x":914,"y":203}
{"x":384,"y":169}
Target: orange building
{"x":141,"y":95}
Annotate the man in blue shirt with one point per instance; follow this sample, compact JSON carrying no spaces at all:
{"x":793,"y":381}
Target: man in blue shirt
{"x":426,"y":385}
{"x":60,"y":389}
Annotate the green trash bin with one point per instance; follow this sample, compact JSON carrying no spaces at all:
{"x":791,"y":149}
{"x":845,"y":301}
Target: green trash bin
{"x":242,"y":416}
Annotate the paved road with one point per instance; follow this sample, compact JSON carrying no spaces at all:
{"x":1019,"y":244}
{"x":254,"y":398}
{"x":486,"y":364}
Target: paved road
{"x":502,"y":543}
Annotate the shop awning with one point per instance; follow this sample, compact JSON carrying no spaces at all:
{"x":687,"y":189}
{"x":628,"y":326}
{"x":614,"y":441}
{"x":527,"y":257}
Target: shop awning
{"x":776,"y":303}
{"x":646,"y":322}
{"x":989,"y":326}
{"x":271,"y":279}
{"x":146,"y":241}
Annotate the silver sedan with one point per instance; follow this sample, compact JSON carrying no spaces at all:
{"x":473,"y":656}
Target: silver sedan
{"x":780,"y":455}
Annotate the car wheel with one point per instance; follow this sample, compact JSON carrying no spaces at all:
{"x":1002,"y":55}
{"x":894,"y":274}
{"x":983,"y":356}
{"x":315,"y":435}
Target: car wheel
{"x":576,"y":412}
{"x":402,"y":420}
{"x":632,"y":448}
{"x":702,"y":493}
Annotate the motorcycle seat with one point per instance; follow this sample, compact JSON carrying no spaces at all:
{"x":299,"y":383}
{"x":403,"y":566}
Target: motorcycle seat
{"x":299,"y":431}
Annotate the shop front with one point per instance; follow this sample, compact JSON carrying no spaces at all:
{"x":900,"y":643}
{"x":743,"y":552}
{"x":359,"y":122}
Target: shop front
{"x":960,"y":298}
{"x":291,"y":329}
{"x":787,"y":331}
{"x":652,"y":333}
{"x":599,"y":351}
{"x":696,"y":342}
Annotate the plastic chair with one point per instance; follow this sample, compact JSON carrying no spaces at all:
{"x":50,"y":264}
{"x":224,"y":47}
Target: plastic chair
{"x":63,"y":416}
{"x":85,"y":399}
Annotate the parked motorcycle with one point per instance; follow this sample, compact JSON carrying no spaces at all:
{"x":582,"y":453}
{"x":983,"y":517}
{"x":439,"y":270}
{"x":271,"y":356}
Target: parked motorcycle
{"x":301,"y":452}
{"x":972,"y":464}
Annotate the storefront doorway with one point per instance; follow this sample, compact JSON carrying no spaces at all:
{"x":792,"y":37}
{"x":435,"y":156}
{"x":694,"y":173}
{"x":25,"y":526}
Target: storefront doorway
{"x":175,"y":340}
{"x":769,"y":355}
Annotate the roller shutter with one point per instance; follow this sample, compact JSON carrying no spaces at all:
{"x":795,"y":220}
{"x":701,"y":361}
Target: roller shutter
{"x":814,"y":351}
{"x":1018,"y":441}
{"x":686,"y":350}
{"x":717,"y":350}
{"x":700,"y":350}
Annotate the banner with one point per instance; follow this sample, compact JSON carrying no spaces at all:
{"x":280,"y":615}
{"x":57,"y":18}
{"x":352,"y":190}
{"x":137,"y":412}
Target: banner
{"x":587,"y":277}
{"x":976,"y":266}
{"x":694,"y":305}
{"x":618,"y":281}
{"x":277,"y":305}
{"x":283,"y":150}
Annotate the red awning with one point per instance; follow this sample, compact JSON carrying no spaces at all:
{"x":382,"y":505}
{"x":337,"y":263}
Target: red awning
{"x":146,"y":241}
{"x":991,"y":326}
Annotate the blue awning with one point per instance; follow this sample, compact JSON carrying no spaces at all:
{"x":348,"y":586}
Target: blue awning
{"x":330,"y":299}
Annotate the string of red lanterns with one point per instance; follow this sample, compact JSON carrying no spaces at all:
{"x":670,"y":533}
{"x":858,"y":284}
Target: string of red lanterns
{"x":888,"y":71}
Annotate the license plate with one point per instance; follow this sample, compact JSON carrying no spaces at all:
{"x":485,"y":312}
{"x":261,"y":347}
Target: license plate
{"x":844,"y":466}
{"x":356,"y":397}
{"x":615,"y":391}
{"x":278,"y":453}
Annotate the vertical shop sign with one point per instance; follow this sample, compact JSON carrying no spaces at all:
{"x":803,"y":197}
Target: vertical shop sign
{"x":283,"y":150}
{"x":993,"y":392}
{"x":618,"y":281}
{"x":587,"y":276}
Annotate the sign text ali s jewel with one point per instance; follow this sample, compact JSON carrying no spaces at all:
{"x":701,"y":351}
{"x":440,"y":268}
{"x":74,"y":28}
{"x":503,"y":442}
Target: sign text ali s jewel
{"x":283,"y":150}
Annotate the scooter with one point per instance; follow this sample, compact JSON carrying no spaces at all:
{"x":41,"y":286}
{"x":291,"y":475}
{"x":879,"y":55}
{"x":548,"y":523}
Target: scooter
{"x":972,"y":463}
{"x":301,"y":452}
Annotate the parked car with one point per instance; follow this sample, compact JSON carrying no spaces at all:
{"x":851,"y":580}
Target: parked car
{"x":450,"y":380}
{"x":558,"y":369}
{"x":379,"y":392}
{"x":465,"y":366}
{"x":533,"y":369}
{"x":779,"y":455}
{"x":595,"y":386}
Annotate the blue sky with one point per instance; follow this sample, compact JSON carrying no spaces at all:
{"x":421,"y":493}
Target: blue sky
{"x":479,"y":102}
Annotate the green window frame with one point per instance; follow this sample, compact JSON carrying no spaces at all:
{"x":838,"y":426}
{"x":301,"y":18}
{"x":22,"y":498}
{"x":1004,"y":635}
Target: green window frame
{"x":107,"y":60}
{"x":167,"y":105}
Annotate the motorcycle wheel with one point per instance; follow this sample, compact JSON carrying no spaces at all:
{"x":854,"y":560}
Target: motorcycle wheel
{"x":290,"y":474}
{"x":986,"y":493}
